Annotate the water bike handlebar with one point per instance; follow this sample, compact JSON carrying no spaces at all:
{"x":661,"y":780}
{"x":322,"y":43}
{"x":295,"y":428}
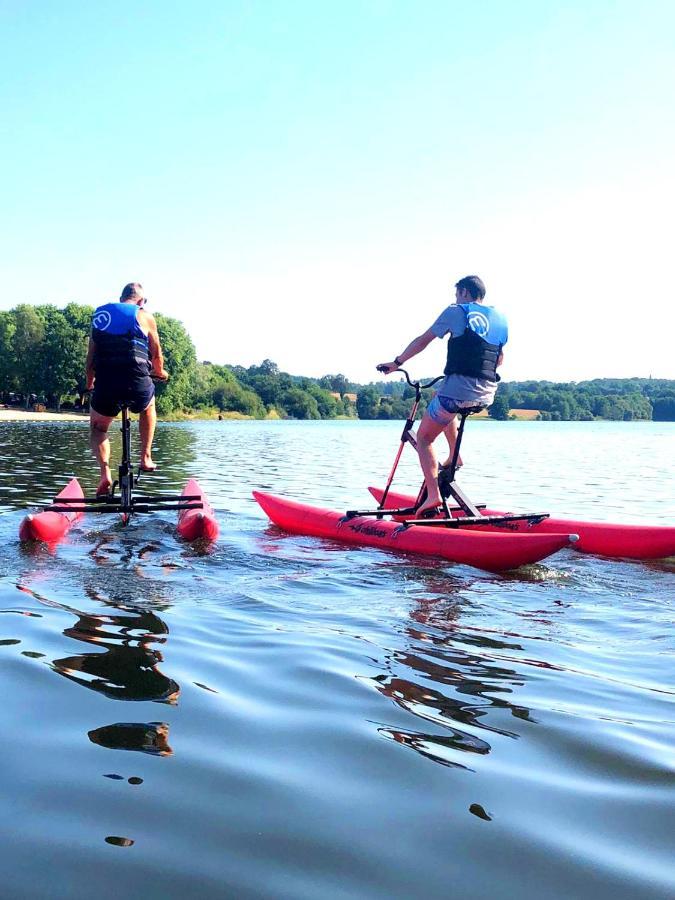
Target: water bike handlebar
{"x":413,"y":384}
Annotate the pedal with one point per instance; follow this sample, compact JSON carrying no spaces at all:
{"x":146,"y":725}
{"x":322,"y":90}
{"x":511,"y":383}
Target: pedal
{"x":444,"y":482}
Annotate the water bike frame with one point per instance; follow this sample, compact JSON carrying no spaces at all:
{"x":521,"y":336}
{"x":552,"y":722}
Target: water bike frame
{"x":446,"y":481}
{"x":126,"y":503}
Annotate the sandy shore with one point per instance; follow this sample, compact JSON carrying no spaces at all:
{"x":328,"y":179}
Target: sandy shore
{"x":22,"y":415}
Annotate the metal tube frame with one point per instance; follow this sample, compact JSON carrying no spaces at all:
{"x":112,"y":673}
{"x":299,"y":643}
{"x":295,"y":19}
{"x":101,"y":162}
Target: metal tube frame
{"x":446,"y":481}
{"x":127,"y":479}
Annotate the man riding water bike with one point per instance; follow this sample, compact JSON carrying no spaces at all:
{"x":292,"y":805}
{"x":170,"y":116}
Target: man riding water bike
{"x":477,"y":335}
{"x":124,"y":352}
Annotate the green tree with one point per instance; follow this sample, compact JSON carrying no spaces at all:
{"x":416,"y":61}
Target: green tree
{"x":500,"y":406}
{"x":340,"y":384}
{"x":79,"y":319}
{"x":7,"y":357}
{"x":64,"y":351}
{"x":267,"y":367}
{"x":299,"y":404}
{"x":329,"y":407}
{"x":27,"y":342}
{"x":664,"y":409}
{"x":180,"y":361}
{"x":367,"y":402}
{"x":266,"y":380}
{"x":235,"y":398}
{"x":386,"y":409}
{"x":230,"y":395}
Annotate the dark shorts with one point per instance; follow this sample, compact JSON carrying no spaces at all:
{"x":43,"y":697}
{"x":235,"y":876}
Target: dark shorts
{"x":442,"y":410}
{"x":108,"y":399}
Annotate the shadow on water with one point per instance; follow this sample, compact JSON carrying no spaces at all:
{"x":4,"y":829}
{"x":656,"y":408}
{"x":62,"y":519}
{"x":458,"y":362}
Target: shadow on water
{"x":127,"y":636}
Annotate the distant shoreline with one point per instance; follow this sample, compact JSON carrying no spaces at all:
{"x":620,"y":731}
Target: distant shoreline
{"x":24,"y":415}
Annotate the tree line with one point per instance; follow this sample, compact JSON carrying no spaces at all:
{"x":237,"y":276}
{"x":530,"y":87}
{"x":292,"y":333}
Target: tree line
{"x":42,"y":361}
{"x":618,"y":399}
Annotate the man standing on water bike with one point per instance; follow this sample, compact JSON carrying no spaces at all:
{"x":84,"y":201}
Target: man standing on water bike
{"x":124,"y":352}
{"x":477,"y":335}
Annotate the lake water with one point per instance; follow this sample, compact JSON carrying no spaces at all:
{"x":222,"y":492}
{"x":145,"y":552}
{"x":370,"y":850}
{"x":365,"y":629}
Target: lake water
{"x":288,"y":718}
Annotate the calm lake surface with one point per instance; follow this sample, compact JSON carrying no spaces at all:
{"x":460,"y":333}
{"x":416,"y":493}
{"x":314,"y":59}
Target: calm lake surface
{"x":284,"y":717}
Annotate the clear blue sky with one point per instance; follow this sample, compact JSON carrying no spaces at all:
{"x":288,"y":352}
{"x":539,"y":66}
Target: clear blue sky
{"x":304,"y":181}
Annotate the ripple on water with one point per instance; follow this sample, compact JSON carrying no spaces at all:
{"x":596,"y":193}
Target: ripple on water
{"x":284,"y":717}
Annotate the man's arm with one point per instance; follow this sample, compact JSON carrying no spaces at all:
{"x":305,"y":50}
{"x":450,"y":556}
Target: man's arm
{"x":415,"y":346}
{"x":89,"y":365}
{"x":149,"y":325}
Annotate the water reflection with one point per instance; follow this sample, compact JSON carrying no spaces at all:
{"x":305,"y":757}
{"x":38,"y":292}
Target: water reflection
{"x":129,"y":667}
{"x":551,"y":720}
{"x":43,"y":456}
{"x":145,"y":737}
{"x":118,"y":841}
{"x":448,"y":676}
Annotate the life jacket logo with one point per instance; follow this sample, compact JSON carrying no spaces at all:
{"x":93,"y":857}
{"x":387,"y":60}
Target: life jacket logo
{"x":102,"y":320}
{"x":479,"y":323}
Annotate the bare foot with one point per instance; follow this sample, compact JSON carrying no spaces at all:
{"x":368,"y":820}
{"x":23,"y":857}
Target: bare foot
{"x":430,"y":506}
{"x":147,"y":465}
{"x":446,"y":464}
{"x":104,"y":484}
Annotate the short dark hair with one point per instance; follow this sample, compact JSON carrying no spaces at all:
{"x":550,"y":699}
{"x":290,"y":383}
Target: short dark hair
{"x":473,"y":285}
{"x":133,"y":289}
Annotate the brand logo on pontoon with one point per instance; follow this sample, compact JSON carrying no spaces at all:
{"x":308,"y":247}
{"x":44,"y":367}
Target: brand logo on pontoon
{"x":102,"y":320}
{"x":479,"y":323}
{"x":371,"y":530}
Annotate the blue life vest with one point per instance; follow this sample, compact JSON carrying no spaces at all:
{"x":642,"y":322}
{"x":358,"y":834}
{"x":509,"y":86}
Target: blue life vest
{"x":476,"y":351}
{"x":122,"y":349}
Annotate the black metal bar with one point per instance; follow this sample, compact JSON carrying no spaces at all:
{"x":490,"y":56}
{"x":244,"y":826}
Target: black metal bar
{"x":401,"y":511}
{"x":462,"y":521}
{"x":128,"y":504}
{"x":159,"y":498}
{"x":104,"y":498}
{"x":120,"y":508}
{"x":458,"y":444}
{"x":406,"y":435}
{"x":147,"y":507}
{"x":354,"y":513}
{"x":126,"y":472}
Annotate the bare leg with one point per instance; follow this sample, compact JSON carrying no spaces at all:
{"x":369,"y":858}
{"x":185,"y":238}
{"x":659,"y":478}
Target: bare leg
{"x":450,"y":433}
{"x":426,"y":435}
{"x":146,"y":424}
{"x":100,"y":447}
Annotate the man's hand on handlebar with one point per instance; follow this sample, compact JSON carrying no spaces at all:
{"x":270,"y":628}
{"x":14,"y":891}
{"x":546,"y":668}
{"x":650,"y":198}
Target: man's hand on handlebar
{"x":388,"y":367}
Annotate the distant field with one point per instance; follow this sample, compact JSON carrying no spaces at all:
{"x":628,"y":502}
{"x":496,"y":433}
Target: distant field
{"x":527,"y":414}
